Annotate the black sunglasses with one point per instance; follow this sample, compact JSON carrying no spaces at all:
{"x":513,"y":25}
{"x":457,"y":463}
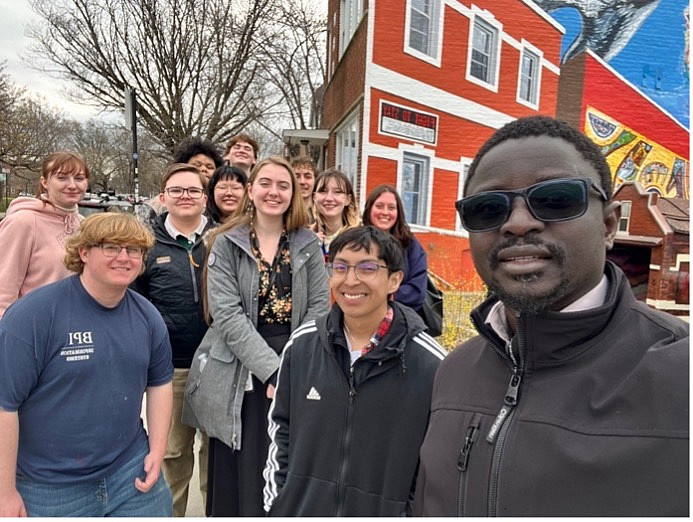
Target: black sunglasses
{"x":553,"y":200}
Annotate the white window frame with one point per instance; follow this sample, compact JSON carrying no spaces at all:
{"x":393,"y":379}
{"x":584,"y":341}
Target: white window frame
{"x":495,"y":29}
{"x":624,"y":221}
{"x":433,"y":52}
{"x":351,"y":12}
{"x":347,"y":153}
{"x":425,"y":159}
{"x":464,"y":172}
{"x":528,"y":50}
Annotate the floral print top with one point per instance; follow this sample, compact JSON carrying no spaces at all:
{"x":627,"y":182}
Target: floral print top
{"x":275,"y":282}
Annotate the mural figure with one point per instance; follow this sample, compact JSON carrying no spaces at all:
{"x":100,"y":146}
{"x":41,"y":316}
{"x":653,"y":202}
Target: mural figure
{"x":607,"y":26}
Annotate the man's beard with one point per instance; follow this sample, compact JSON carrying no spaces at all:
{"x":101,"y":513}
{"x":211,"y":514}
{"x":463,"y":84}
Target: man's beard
{"x":528,"y":302}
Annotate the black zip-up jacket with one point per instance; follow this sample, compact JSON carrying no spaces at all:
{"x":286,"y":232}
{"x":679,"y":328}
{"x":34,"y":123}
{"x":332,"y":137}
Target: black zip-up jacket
{"x":173,"y":283}
{"x":345,"y":439}
{"x":591,"y":419}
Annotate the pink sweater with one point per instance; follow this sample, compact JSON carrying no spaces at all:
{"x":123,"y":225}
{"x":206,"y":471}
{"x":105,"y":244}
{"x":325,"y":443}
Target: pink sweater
{"x":32,"y":247}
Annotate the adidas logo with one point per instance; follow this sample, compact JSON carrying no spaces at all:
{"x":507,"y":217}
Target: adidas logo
{"x":313,"y":395}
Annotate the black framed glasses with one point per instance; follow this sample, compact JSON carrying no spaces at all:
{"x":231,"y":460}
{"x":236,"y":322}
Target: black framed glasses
{"x":113,"y":250}
{"x":560,"y":199}
{"x":177,"y":192}
{"x":365,"y":271}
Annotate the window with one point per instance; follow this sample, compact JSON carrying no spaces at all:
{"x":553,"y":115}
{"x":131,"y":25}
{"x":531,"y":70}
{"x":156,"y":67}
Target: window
{"x":484,"y":55}
{"x":624,"y":223}
{"x":348,"y":147}
{"x":415,"y":174}
{"x":422,"y":26}
{"x":351,"y":14}
{"x":530,"y":65}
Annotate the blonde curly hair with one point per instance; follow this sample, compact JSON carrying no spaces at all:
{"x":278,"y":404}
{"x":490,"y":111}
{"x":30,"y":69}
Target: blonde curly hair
{"x":110,"y":227}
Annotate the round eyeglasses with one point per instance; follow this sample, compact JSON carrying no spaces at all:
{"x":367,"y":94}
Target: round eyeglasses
{"x":365,"y":271}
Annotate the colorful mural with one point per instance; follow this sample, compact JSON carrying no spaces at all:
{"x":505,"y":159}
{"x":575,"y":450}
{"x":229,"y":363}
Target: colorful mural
{"x":646,"y":41}
{"x":633,"y":157}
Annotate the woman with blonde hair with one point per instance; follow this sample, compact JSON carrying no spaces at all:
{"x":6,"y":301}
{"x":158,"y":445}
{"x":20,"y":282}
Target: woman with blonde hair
{"x":264,"y":278}
{"x":334,"y":207}
{"x":35,"y":229}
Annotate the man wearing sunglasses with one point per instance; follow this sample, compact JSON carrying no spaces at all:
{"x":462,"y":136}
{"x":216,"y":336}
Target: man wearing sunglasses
{"x":573,"y":399}
{"x":353,"y":393}
{"x":76,"y":357}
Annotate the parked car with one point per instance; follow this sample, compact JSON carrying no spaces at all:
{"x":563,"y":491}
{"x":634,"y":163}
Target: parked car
{"x":96,"y":204}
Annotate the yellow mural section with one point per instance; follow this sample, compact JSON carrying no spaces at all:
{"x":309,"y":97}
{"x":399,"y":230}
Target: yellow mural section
{"x":632,"y":157}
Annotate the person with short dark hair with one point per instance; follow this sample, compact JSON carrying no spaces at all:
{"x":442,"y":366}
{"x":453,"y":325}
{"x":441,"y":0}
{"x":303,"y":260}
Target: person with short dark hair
{"x":573,"y":399}
{"x":76,"y":358}
{"x":200,"y":153}
{"x":353,"y":393}
{"x":225,"y":192}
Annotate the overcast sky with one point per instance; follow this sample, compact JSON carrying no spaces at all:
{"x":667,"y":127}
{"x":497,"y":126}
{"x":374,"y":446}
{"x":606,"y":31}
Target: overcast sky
{"x":14,"y":17}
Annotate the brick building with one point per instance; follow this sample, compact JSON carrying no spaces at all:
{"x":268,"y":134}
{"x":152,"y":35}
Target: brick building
{"x":652,"y":247}
{"x":414,"y":88}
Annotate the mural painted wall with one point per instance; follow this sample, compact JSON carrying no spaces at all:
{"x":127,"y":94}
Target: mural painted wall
{"x":634,"y":157}
{"x":646,"y":41}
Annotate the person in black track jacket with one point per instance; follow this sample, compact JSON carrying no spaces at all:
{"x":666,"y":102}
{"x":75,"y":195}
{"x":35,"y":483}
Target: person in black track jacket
{"x":353,"y":393}
{"x":172,"y":281}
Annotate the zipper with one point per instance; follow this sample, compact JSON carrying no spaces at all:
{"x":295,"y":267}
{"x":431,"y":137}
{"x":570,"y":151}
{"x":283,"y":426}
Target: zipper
{"x":196,"y":295}
{"x":499,"y":429}
{"x":509,"y":403}
{"x":346,"y":442}
{"x":463,"y":462}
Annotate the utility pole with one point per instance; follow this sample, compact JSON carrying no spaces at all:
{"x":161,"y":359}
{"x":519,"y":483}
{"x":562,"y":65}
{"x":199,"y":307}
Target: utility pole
{"x":131,"y":123}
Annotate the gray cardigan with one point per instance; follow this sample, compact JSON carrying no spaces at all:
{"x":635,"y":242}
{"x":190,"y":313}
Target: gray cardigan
{"x":232,"y":346}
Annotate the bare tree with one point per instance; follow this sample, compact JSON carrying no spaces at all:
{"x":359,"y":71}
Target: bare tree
{"x":192,"y":62}
{"x":31,"y":129}
{"x":293,"y":61}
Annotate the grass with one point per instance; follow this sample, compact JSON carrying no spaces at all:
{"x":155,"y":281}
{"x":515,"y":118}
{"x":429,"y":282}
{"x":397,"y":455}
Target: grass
{"x":458,"y":302}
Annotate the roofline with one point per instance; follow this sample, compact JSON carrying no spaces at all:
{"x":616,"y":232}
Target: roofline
{"x":634,"y":87}
{"x":546,"y":16}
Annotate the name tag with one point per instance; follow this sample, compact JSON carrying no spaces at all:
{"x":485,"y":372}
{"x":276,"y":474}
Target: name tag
{"x":163,"y":259}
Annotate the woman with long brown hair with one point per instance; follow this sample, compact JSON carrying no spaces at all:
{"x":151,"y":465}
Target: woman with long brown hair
{"x":385,"y":211}
{"x":265,"y":277}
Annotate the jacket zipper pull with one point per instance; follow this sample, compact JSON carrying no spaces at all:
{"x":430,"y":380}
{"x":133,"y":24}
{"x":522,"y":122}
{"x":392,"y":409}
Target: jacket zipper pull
{"x":469,"y":439}
{"x":509,"y":403}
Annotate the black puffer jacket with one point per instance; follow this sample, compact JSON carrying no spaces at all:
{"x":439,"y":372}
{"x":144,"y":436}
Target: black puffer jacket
{"x":591,"y":419}
{"x":174,"y":286}
{"x":345,"y":439}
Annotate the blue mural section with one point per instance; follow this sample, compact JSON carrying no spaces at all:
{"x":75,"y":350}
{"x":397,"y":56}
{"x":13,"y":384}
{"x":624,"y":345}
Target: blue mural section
{"x":646,"y":41}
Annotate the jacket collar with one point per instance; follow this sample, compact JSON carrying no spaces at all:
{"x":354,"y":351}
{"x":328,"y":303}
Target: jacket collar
{"x":162,"y":234}
{"x":552,"y":338}
{"x":405,"y":324}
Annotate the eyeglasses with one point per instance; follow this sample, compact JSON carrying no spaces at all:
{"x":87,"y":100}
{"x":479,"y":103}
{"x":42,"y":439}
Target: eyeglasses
{"x":553,"y":200}
{"x":177,"y":192}
{"x":365,"y":271}
{"x":113,"y":250}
